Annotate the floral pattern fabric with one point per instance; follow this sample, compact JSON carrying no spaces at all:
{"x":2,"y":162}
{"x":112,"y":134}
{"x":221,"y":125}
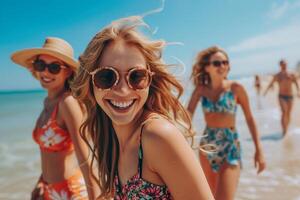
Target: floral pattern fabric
{"x":138,"y":188}
{"x":51,"y":137}
{"x":227,"y":145}
{"x":225,"y":104}
{"x":71,"y":189}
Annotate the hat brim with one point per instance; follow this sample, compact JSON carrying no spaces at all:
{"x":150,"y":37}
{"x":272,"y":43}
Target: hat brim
{"x":26,"y":56}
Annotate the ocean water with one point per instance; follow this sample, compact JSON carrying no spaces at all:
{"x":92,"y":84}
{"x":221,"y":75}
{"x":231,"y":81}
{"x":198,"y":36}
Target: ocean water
{"x":19,"y":155}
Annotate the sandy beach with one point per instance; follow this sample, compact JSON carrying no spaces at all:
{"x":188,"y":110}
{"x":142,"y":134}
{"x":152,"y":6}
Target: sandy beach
{"x":19,"y":155}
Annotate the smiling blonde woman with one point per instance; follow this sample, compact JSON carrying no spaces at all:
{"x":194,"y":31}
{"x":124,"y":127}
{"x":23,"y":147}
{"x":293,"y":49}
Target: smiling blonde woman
{"x":134,"y":118}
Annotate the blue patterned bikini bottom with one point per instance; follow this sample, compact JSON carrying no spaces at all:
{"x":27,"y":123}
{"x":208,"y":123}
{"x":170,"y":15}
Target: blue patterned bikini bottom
{"x":227,"y":145}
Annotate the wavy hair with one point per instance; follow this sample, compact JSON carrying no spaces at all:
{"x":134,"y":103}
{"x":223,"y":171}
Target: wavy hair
{"x":163,"y":98}
{"x":199,"y":75}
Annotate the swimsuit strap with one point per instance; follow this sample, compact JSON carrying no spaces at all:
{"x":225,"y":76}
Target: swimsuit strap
{"x":140,"y":163}
{"x":54,"y":113}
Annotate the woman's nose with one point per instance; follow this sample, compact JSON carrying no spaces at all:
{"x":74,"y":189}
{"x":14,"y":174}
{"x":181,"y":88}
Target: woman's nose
{"x":122,"y":88}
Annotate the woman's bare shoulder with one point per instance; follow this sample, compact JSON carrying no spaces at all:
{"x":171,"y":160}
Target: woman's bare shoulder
{"x":68,"y":105}
{"x":159,"y":130}
{"x":67,"y":99}
{"x":236,"y":87}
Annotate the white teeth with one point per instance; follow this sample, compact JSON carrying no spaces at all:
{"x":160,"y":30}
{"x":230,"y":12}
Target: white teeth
{"x":46,"y":79}
{"x":124,"y":104}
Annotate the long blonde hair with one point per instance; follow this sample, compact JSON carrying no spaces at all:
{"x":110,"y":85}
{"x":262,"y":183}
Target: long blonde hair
{"x":161,"y":98}
{"x":199,"y":75}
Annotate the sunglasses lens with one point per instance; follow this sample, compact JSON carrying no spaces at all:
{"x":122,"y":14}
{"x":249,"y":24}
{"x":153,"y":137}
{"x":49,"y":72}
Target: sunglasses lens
{"x":54,"y":68}
{"x":139,"y":79}
{"x":217,"y":63}
{"x":39,"y":65}
{"x":105,"y":78}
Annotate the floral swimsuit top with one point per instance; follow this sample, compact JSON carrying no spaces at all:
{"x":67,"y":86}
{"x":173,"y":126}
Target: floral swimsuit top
{"x":137,"y":187}
{"x":51,"y":137}
{"x":225,"y":104}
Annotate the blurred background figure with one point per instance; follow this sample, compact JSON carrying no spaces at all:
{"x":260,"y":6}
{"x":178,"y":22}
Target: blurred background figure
{"x":64,"y":154}
{"x":285,"y":82}
{"x":257,"y":84}
{"x":220,"y":99}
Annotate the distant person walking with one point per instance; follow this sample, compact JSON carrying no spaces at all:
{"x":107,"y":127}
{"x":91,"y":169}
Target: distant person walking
{"x":257,"y":84}
{"x":285,"y":81}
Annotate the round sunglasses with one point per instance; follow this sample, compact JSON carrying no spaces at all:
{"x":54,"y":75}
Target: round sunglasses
{"x":105,"y":78}
{"x":40,"y":66}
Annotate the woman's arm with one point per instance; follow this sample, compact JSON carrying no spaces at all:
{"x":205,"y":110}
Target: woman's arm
{"x":73,"y":116}
{"x":176,"y":164}
{"x":194,"y":101}
{"x":243,"y":100}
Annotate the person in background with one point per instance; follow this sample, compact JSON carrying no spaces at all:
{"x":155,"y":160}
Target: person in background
{"x":220,"y":98}
{"x":64,"y":155}
{"x":135,"y":119}
{"x":257,"y":84}
{"x":285,"y":81}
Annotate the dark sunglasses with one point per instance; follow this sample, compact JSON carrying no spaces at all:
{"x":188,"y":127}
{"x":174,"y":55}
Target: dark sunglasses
{"x":40,"y":66}
{"x":218,"y":63}
{"x":105,"y":78}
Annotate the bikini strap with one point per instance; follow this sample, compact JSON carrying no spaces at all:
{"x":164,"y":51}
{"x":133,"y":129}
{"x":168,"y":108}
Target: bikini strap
{"x":54,"y":113}
{"x":140,"y":152}
{"x":140,"y":163}
{"x":234,"y":97}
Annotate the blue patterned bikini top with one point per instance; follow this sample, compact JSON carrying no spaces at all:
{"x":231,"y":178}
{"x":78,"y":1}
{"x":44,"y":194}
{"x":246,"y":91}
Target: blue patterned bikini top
{"x":225,"y":104}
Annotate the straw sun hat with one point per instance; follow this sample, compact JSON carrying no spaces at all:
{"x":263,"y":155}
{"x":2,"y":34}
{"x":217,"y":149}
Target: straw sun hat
{"x":53,"y":46}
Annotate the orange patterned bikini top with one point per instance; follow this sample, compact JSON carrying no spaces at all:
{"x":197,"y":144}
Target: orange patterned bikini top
{"x":51,"y":137}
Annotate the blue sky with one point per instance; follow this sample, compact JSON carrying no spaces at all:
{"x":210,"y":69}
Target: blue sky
{"x":255,"y":33}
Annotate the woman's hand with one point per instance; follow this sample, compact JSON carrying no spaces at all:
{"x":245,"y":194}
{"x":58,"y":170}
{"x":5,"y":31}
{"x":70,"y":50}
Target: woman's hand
{"x":259,"y":161}
{"x":38,"y":191}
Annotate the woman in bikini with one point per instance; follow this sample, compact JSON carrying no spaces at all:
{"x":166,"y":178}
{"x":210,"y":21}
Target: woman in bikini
{"x":64,"y":155}
{"x":219,"y":98}
{"x":135,"y":119}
